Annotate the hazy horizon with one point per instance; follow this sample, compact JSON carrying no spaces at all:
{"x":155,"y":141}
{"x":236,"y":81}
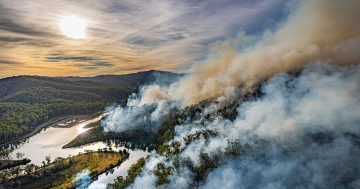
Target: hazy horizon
{"x":95,"y":75}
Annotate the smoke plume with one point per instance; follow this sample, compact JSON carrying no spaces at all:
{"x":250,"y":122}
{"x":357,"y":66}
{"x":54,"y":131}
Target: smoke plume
{"x":303,"y":132}
{"x":315,"y":31}
{"x":326,"y":30}
{"x":144,"y":111}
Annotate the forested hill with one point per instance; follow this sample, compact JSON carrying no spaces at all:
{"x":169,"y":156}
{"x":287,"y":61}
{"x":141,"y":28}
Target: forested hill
{"x":127,"y":79}
{"x":28,"y":101}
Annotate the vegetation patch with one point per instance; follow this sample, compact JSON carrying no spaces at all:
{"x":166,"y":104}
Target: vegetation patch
{"x":61,"y":172}
{"x":6,"y":164}
{"x":139,"y":139}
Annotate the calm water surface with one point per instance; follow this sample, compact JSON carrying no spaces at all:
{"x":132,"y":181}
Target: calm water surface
{"x":49,"y":142}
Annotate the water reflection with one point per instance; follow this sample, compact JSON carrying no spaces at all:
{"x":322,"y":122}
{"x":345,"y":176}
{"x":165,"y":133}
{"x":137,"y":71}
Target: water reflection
{"x":49,"y":142}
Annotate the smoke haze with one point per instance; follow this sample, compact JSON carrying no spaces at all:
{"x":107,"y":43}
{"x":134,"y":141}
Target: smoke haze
{"x":314,"y":31}
{"x":144,"y":111}
{"x":303,"y":132}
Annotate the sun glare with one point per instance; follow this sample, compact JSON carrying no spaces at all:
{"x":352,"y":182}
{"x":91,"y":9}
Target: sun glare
{"x":73,"y":27}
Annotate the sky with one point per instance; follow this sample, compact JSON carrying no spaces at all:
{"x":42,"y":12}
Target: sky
{"x":124,"y":36}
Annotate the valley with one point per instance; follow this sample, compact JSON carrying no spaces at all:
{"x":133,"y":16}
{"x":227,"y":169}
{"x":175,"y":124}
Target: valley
{"x":39,"y":116}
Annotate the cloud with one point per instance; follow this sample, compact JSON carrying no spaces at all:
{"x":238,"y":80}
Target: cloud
{"x":133,"y":34}
{"x":13,"y":39}
{"x":84,"y":62}
{"x":9,"y":62}
{"x":61,"y":57}
{"x":9,"y":25}
{"x":145,"y":41}
{"x":94,"y":65}
{"x":13,"y":27}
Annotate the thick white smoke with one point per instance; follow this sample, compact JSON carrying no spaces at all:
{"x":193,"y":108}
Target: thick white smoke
{"x":314,"y":30}
{"x":303,"y":132}
{"x":145,"y":111}
{"x":308,"y":128}
{"x":319,"y":30}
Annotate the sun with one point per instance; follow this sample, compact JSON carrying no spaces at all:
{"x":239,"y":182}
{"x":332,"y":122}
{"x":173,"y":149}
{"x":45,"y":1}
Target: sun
{"x":73,"y":27}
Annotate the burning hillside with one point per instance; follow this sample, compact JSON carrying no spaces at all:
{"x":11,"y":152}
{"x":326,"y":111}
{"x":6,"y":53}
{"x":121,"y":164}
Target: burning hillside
{"x":283,"y":112}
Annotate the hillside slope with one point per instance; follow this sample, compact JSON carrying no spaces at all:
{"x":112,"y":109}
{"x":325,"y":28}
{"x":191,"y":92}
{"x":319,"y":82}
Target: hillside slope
{"x":28,"y":101}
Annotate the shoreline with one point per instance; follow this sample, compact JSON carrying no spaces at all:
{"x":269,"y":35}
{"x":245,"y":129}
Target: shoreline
{"x":65,"y":176}
{"x":124,"y":157}
{"x":50,"y":123}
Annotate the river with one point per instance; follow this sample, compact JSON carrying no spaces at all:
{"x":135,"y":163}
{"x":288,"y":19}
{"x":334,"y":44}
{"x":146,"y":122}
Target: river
{"x":49,"y":142}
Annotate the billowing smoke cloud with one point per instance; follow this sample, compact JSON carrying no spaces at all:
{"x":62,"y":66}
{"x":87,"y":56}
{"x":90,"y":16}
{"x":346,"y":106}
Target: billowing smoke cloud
{"x":320,"y":30}
{"x":304,"y":168}
{"x":82,"y":180}
{"x":303,"y":132}
{"x":316,"y":30}
{"x":144,"y":112}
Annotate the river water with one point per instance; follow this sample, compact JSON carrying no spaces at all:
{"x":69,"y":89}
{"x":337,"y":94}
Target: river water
{"x":49,"y":142}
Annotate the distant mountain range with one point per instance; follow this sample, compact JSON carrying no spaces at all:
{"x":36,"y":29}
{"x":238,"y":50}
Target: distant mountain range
{"x":106,"y":87}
